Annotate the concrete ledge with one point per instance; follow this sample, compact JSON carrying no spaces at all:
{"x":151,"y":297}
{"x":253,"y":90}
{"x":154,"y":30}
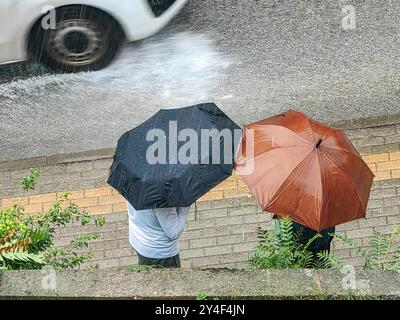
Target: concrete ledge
{"x":23,"y":164}
{"x":368,"y":122}
{"x":108,"y":153}
{"x":188,"y":283}
{"x":39,"y":162}
{"x":81,"y":156}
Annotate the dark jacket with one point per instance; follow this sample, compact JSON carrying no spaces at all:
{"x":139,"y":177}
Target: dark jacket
{"x":305,"y":234}
{"x":319,"y":244}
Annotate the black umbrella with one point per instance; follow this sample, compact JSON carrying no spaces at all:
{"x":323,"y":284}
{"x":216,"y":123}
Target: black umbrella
{"x":175,"y":157}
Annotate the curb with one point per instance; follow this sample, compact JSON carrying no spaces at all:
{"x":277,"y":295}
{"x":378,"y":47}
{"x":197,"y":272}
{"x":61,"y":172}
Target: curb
{"x":368,"y":122}
{"x":108,"y":153}
{"x":186,"y":283}
{"x":39,"y":162}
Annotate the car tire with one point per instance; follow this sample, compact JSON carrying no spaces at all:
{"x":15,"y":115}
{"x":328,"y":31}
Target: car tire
{"x":84,"y":39}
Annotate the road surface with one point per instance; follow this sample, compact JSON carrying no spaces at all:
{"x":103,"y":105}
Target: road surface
{"x":253,"y":58}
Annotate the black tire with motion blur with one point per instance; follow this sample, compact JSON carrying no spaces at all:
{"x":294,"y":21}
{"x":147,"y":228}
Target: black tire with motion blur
{"x":85,"y":39}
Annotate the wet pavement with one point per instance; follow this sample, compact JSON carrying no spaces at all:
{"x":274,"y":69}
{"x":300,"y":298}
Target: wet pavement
{"x":252,"y":58}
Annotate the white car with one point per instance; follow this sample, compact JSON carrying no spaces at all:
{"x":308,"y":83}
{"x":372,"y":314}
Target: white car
{"x":77,"y":35}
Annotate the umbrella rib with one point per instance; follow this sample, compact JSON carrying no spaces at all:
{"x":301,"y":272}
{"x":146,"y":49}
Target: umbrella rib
{"x":264,"y":152}
{"x":345,"y":151}
{"x":276,"y":195}
{"x":322,"y":172}
{"x":311,"y":129}
{"x":331,"y":159}
{"x":280,"y":126}
{"x":335,"y":131}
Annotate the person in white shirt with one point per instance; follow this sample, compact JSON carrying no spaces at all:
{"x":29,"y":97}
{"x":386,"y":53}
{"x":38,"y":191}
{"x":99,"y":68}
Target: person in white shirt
{"x":154,"y":234}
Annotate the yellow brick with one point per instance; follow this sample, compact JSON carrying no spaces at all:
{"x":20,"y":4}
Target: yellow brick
{"x":12,"y":201}
{"x":372,"y":166}
{"x":382,"y":166}
{"x":382,"y":175}
{"x":97,"y":192}
{"x":73,"y":195}
{"x":395,"y":174}
{"x":48,"y":205}
{"x":241,"y":183}
{"x":227,"y":184}
{"x":237,"y":177}
{"x":34,"y":208}
{"x":236,"y":193}
{"x":394,"y":155}
{"x":119,"y":207}
{"x":100,"y":209}
{"x":376,"y":157}
{"x":113,"y":191}
{"x":111,"y":199}
{"x":212,"y":195}
{"x":85,"y":202}
{"x":41,"y":198}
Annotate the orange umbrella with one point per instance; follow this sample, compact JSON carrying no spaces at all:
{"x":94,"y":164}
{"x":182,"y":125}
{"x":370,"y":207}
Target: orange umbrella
{"x":295,"y":166}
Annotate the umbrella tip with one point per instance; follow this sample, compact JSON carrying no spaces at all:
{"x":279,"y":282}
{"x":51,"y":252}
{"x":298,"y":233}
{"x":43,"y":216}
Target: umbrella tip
{"x":318,"y":143}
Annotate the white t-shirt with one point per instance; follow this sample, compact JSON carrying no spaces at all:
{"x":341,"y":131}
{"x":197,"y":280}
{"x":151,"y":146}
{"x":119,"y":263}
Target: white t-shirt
{"x":154,"y":233}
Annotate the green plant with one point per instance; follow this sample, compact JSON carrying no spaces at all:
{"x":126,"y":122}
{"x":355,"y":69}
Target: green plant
{"x":28,"y":183}
{"x":201,"y":296}
{"x":281,"y":250}
{"x":377,"y":254}
{"x":61,"y":258}
{"x":26,"y":242}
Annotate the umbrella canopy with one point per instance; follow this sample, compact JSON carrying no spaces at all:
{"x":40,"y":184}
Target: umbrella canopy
{"x":175,"y":157}
{"x":304,"y":169}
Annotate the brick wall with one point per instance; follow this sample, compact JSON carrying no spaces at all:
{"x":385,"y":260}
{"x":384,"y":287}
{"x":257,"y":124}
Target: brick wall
{"x":222,"y":232}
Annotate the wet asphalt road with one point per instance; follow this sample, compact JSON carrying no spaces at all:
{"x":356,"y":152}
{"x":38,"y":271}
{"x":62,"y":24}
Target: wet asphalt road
{"x":253,"y":58}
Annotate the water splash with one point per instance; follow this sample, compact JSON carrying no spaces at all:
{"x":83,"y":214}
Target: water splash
{"x":55,"y":113}
{"x":177,"y":69}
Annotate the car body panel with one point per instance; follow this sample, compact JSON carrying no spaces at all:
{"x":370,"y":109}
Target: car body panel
{"x":18,"y":16}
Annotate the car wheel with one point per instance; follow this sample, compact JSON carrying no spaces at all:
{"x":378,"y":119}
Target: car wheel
{"x":84,"y":39}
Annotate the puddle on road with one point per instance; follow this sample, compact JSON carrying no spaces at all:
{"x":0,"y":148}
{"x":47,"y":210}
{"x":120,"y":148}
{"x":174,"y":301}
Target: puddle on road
{"x":170,"y":70}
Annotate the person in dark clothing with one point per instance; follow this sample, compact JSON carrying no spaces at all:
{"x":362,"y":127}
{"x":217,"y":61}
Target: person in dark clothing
{"x":319,"y":244}
{"x":305,"y":234}
{"x":172,"y":262}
